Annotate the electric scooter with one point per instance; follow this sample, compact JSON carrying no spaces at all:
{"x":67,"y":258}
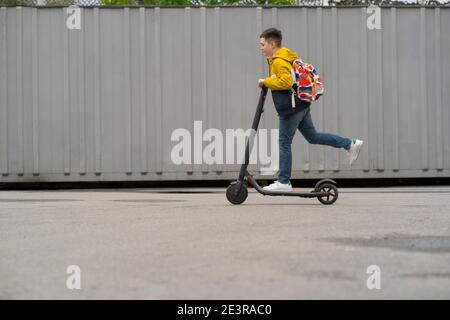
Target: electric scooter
{"x":325,"y":190}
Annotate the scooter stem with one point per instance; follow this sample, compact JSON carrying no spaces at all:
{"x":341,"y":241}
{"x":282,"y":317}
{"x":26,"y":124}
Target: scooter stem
{"x":256,"y":119}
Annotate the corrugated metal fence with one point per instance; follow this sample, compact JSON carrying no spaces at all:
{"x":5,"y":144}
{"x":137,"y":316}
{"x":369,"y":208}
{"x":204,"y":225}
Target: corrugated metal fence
{"x":101,"y":102}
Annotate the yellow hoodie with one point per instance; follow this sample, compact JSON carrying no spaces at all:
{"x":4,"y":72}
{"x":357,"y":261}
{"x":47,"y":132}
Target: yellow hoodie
{"x":280,"y":65}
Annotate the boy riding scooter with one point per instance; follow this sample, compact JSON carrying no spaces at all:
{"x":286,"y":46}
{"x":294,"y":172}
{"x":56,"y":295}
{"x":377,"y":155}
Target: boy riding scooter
{"x":293,"y":117}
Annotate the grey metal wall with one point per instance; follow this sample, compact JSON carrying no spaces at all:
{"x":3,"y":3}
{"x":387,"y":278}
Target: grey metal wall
{"x":101,"y":103}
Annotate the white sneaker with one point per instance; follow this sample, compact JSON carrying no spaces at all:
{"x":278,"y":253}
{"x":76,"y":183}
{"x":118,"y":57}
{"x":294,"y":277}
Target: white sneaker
{"x":278,"y":186}
{"x":354,"y":150}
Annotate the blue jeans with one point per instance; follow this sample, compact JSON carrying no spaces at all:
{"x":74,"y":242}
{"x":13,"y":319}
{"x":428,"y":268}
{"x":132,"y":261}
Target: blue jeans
{"x":303,"y":122}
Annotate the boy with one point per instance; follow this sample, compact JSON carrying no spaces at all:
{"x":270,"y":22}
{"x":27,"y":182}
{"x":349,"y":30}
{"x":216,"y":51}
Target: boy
{"x":293,"y":117}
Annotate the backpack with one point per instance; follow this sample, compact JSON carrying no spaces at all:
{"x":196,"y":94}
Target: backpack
{"x":308,"y":85}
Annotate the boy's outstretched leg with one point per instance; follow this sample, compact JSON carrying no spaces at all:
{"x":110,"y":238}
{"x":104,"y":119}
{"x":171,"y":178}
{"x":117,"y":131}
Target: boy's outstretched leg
{"x":353,"y":146}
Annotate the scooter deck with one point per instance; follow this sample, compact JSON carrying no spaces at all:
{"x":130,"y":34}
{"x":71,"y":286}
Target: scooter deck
{"x":313,"y":194}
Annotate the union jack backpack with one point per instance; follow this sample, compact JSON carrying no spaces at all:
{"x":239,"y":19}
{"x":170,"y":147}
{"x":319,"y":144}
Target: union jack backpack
{"x":308,"y":85}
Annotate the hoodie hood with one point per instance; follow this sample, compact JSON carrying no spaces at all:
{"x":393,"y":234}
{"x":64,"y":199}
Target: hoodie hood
{"x":285,"y":54}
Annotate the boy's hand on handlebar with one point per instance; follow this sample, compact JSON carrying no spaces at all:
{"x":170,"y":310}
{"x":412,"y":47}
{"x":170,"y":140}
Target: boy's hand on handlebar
{"x":260,"y":83}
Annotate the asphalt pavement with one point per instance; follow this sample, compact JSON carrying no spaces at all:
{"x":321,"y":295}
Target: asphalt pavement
{"x":373,"y":243}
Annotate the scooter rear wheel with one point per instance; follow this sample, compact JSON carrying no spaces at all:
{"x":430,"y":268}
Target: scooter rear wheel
{"x":239,"y":197}
{"x":332,"y":193}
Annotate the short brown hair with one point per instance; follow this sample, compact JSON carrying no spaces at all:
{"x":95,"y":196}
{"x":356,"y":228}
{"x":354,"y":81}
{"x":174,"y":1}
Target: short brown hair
{"x":272,"y":34}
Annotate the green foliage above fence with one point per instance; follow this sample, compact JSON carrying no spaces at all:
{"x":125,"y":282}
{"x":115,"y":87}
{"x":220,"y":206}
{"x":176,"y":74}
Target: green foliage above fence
{"x":155,"y":2}
{"x":198,"y":2}
{"x":164,"y":3}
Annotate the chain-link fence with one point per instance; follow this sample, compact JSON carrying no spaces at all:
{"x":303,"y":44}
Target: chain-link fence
{"x":50,"y":2}
{"x":87,"y":3}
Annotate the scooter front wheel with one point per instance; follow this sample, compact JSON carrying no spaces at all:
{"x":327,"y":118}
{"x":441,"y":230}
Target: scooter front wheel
{"x":240,"y":196}
{"x":331,"y":191}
